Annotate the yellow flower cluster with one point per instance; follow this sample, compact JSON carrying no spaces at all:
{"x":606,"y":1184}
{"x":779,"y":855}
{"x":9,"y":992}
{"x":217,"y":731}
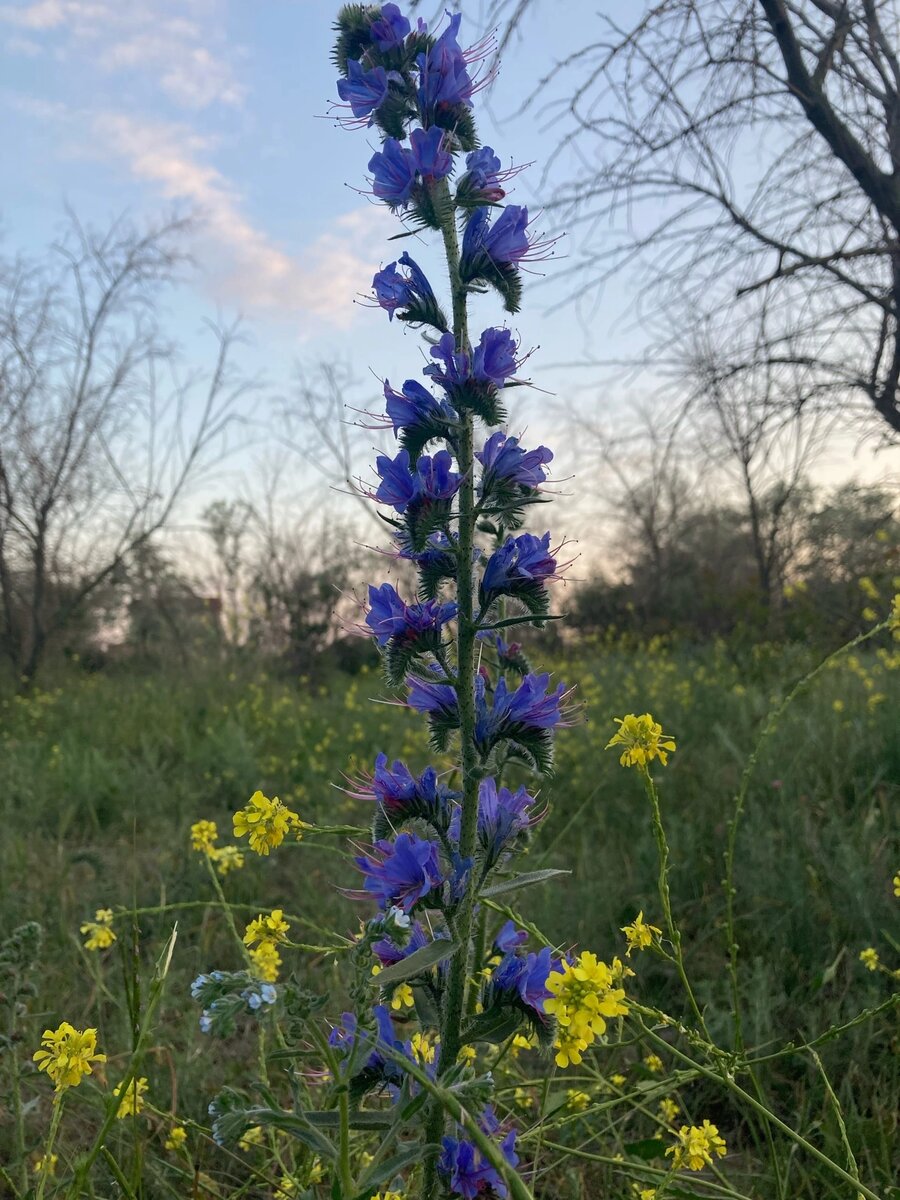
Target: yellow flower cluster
{"x":264,"y":934}
{"x":266,"y":822}
{"x":639,"y":934}
{"x":68,"y":1054}
{"x":177,"y":1138}
{"x":402,"y":995}
{"x":654,"y":1064}
{"x":696,"y":1146}
{"x":204,"y":835}
{"x":424,"y":1048}
{"x":388,"y":1196}
{"x":643,"y":740}
{"x":583,"y":995}
{"x":869,"y":958}
{"x":45,"y":1163}
{"x":100,"y":935}
{"x":132,"y":1099}
{"x":668,"y":1111}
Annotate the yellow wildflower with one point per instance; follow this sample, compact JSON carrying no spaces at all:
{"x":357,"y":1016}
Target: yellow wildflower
{"x":869,"y":958}
{"x":45,"y":1163}
{"x":520,"y":1043}
{"x":226,"y":859}
{"x":177,"y":1137}
{"x":897,"y":884}
{"x":639,"y":934}
{"x":696,"y":1146}
{"x":68,"y":1054}
{"x":583,"y":995}
{"x":868,"y":588}
{"x":617,"y":1080}
{"x":317,"y":1171}
{"x":265,"y":822}
{"x":654,"y":1064}
{"x":668,"y":1111}
{"x":204,"y":836}
{"x":100,"y":932}
{"x":133,"y":1098}
{"x":643,"y":740}
{"x":254,"y":1136}
{"x":522,"y":1098}
{"x":423,"y":1047}
{"x":286,"y":1188}
{"x":467,"y":1054}
{"x":272,"y":928}
{"x":577,"y":1101}
{"x":266,"y":961}
{"x":388,"y":1196}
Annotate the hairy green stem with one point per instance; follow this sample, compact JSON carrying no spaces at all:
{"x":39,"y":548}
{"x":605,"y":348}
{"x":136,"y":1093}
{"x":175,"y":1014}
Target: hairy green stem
{"x":662,"y":846}
{"x":454,"y":1001}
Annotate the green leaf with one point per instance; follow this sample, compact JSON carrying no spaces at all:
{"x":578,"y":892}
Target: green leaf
{"x":418,"y":962}
{"x":520,"y":881}
{"x":647,"y":1148}
{"x":386,"y":1171}
{"x":494,"y":1027}
{"x":330,"y":1119}
{"x":520,"y":621}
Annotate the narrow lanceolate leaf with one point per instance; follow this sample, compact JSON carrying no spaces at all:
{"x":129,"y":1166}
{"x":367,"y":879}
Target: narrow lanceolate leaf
{"x":520,"y":881}
{"x":386,"y":1171}
{"x":520,"y":621}
{"x":330,"y":1119}
{"x":418,"y":962}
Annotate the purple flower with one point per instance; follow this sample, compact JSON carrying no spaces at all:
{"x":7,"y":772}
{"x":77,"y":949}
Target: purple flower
{"x":402,"y":872}
{"x":393,"y":174}
{"x":483,"y":179}
{"x":526,"y":716}
{"x":363,"y":90}
{"x":389,"y":617}
{"x":444,"y":80}
{"x":402,"y":795}
{"x":414,"y":406}
{"x":346,"y":1037}
{"x":509,"y":938}
{"x":454,"y":373}
{"x":505,"y":462}
{"x":524,"y":978}
{"x":438,"y":558}
{"x":494,"y":359}
{"x":521,"y":564}
{"x":389,"y":28}
{"x":437,"y":481}
{"x":466,"y":1172}
{"x":398,"y":484}
{"x":431,"y":160}
{"x":487,"y":247}
{"x":502,"y":815}
{"x":435,"y":699}
{"x":411,"y":293}
{"x":388,"y":952}
{"x":403,"y":488}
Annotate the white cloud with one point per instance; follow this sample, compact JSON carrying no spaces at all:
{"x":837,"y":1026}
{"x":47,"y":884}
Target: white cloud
{"x":245,"y":266}
{"x":177,"y":42}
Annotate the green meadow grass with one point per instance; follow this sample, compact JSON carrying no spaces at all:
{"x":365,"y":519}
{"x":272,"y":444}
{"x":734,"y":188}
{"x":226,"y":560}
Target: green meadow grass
{"x":104,"y":773}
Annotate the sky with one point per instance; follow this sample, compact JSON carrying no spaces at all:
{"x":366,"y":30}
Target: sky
{"x":222,"y":107}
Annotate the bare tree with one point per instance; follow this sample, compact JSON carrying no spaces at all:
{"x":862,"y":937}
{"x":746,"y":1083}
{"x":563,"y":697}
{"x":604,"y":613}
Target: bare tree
{"x":101,"y":434}
{"x":743,"y":157}
{"x":760,"y":443}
